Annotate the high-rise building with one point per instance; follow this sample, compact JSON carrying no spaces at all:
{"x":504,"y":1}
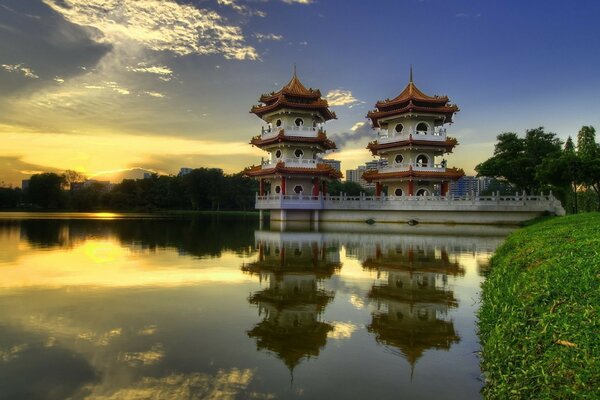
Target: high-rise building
{"x":335,"y":164}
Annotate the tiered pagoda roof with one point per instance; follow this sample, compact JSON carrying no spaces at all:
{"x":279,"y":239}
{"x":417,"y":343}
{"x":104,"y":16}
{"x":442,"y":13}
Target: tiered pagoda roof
{"x":296,"y":96}
{"x":412,"y":100}
{"x":322,"y":169}
{"x":450,"y":173}
{"x":446,"y":146}
{"x":320,"y":140}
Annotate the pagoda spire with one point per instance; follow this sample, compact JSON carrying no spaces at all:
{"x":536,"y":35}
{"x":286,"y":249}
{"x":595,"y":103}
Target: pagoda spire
{"x":411,"y":74}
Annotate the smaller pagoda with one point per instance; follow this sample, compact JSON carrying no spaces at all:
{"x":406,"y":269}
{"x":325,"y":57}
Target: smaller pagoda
{"x":412,"y":138}
{"x":295,"y":141}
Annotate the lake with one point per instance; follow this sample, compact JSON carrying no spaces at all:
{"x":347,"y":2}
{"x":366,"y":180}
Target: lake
{"x":109,"y":306}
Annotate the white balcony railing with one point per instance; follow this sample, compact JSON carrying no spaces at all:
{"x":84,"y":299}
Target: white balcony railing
{"x":415,"y":166}
{"x":436,"y":135}
{"x":291,"y":130}
{"x":291,"y":162}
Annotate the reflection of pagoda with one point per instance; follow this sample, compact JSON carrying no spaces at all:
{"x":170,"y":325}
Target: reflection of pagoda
{"x":413,"y":303}
{"x":293,"y":302}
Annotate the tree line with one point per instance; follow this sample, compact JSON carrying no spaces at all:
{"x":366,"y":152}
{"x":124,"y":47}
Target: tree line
{"x":201,"y":189}
{"x":540,"y":161}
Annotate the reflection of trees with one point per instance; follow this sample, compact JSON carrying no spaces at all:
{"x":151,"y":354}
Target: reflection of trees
{"x":198,"y":236}
{"x":413,"y":302}
{"x":293,"y":302}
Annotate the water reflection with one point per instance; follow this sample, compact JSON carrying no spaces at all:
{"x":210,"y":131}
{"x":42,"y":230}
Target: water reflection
{"x":413,"y":302}
{"x":293,"y":302}
{"x":207,"y":307}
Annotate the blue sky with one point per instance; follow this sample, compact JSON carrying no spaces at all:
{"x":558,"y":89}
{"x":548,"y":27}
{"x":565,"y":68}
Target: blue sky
{"x":115,"y":85}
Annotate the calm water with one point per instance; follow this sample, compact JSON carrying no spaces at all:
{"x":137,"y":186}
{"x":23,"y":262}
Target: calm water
{"x":136,"y":308}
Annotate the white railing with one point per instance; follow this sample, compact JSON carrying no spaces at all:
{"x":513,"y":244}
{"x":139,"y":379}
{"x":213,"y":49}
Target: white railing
{"x":415,"y":166}
{"x":292,"y":162}
{"x":519,"y":202}
{"x":291,"y":130}
{"x":437,"y":135}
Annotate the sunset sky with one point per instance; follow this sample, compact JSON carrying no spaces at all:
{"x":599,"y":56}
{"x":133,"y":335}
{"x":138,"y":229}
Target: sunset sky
{"x":125,"y":85}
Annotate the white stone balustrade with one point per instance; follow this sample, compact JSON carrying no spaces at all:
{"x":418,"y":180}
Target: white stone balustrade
{"x":411,"y":203}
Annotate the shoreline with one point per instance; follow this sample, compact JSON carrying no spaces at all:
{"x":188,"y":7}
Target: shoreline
{"x":538,"y":322}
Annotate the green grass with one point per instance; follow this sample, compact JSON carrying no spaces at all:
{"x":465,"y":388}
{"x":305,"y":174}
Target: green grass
{"x":539,"y":323}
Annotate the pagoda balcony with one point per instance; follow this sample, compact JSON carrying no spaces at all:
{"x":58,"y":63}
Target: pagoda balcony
{"x":292,"y":130}
{"x":291,"y":162}
{"x":438,"y":135}
{"x":415,"y":167}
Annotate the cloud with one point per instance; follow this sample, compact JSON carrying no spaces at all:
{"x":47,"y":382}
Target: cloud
{"x":159,"y":25}
{"x":267,"y":36}
{"x":58,"y":79}
{"x":359,"y":131}
{"x":298,"y":1}
{"x":108,"y":85}
{"x":341,"y":97}
{"x":154,"y":94}
{"x":242,"y":9}
{"x":20,"y":68}
{"x":164,"y":73}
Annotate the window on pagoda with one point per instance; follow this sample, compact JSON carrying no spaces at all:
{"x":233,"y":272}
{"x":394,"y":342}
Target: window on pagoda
{"x":298,"y":153}
{"x":277,"y":189}
{"x":422,"y":192}
{"x":422,"y":160}
{"x":398,"y":128}
{"x":422,"y":128}
{"x":278,"y":154}
{"x":298,"y":189}
{"x":278,"y":123}
{"x":299,"y":121}
{"x":398,"y":192}
{"x":398,"y":159}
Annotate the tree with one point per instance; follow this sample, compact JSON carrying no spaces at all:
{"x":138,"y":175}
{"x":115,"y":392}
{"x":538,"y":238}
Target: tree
{"x":72,"y":176}
{"x":337,"y":187}
{"x":45,"y":190}
{"x":588,"y":152}
{"x":517,"y":160}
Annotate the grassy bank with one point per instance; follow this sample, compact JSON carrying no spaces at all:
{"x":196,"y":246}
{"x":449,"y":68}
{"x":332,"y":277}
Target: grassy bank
{"x":539,"y":322}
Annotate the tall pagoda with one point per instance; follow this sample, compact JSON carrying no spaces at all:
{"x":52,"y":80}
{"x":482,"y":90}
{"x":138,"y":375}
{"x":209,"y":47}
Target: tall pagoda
{"x":295,"y":140}
{"x":412,"y":138}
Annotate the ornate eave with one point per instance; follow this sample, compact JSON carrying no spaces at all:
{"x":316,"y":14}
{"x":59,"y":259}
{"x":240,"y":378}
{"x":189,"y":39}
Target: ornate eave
{"x":323,"y":170}
{"x":296,"y":96}
{"x":320,"y":140}
{"x":446,"y":145}
{"x":449,"y":174}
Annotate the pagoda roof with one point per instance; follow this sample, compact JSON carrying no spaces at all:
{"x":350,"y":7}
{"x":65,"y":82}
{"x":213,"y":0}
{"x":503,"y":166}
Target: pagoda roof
{"x":322,"y":169}
{"x":413,"y":338}
{"x":450,"y":173}
{"x":412,"y":99}
{"x":294,"y":95}
{"x":447,"y":145}
{"x":321,"y":140}
{"x":433,"y":266}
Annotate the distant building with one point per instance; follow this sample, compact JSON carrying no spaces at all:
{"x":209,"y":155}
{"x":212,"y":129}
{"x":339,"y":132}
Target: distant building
{"x":183,"y":171}
{"x":470,"y":185}
{"x":335,"y":164}
{"x":25,"y":184}
{"x":147,"y":175}
{"x":355,"y":175}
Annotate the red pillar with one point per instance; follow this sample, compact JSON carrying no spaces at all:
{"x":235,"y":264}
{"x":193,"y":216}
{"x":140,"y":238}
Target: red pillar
{"x":411,"y":188}
{"x":283,"y":185}
{"x":444,"y":188}
{"x":377,"y":189}
{"x":261,"y":186}
{"x":315,"y":191}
